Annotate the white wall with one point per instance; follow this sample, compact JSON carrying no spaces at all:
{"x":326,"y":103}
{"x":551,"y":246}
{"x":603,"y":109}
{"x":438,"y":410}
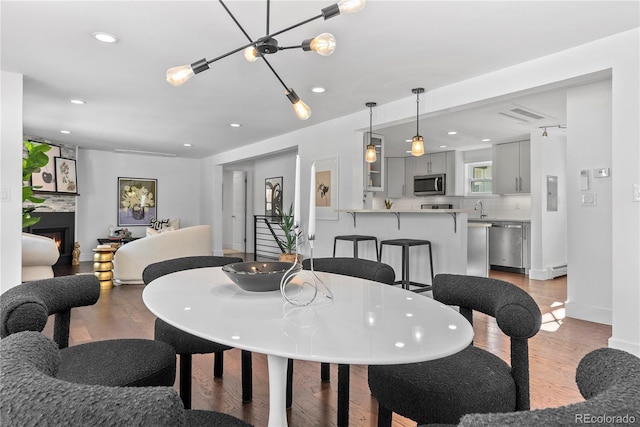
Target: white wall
{"x":284,"y":165}
{"x":180,"y":192}
{"x":10,"y":182}
{"x":589,"y":290}
{"x":549,"y":228}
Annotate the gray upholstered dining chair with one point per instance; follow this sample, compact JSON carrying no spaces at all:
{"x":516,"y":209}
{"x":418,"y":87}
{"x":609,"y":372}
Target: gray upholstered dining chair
{"x":354,"y":267}
{"x":186,"y":344}
{"x":31,"y":394}
{"x":115,"y":362}
{"x":607,"y":378}
{"x":473,"y":380}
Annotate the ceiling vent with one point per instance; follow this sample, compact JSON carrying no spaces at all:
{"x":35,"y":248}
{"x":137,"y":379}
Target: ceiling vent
{"x":521,"y":114}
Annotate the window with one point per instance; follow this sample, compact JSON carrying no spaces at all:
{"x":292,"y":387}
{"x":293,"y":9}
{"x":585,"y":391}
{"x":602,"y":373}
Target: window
{"x":479,"y":178}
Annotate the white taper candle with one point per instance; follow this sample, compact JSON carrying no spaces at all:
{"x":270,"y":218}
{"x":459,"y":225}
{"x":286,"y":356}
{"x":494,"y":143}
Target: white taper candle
{"x":312,"y":202}
{"x":296,"y":197}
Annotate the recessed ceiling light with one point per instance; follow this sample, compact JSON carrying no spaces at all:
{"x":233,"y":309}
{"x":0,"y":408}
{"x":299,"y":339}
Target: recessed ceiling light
{"x":408,"y":140}
{"x":187,"y":145}
{"x":317,"y":90}
{"x":77,"y":101}
{"x":66,"y":132}
{"x":486,"y":140}
{"x":235,"y":125}
{"x":408,"y":151}
{"x":453,"y":132}
{"x":443,"y":146}
{"x":105,"y":37}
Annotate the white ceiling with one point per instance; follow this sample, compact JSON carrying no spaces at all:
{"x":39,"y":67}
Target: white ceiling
{"x":382,"y":53}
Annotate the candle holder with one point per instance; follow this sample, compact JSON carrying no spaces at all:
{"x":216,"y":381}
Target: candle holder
{"x":300,"y":288}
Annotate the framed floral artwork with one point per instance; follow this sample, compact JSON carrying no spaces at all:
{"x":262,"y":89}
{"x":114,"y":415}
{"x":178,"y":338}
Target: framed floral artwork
{"x":66,"y":179}
{"x":327,"y":188}
{"x":137,"y":201}
{"x":46,"y":178}
{"x":273,"y":196}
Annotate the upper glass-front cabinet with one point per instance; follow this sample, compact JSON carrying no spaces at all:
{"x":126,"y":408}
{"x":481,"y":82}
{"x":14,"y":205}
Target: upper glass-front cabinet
{"x":374,"y":172}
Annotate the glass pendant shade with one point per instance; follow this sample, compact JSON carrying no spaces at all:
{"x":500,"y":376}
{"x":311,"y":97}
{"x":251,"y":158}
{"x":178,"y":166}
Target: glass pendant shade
{"x":417,"y":146}
{"x":324,"y":44}
{"x":351,"y":6}
{"x":370,"y":155}
{"x":545,"y":134}
{"x":176,"y":76}
{"x":251,"y":54}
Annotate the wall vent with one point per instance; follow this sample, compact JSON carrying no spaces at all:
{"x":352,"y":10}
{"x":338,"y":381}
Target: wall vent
{"x":558,"y":270}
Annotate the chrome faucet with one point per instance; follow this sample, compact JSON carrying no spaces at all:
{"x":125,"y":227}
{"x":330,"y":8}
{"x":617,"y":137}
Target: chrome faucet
{"x":482,"y":214}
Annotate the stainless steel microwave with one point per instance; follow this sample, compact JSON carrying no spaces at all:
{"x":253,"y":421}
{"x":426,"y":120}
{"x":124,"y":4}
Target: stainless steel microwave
{"x":429,"y":185}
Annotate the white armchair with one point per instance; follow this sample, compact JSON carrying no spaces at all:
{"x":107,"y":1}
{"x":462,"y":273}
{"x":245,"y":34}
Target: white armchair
{"x":132,"y":258}
{"x":39,"y":253}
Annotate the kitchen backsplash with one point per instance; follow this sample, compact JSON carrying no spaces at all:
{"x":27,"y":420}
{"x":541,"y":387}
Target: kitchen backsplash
{"x":516,"y":206}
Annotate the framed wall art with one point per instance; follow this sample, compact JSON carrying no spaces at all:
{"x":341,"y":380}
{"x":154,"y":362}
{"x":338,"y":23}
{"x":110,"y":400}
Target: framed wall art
{"x":46,"y":178}
{"x":327,"y":188}
{"x":66,"y":175}
{"x":137,"y":201}
{"x":273,"y":196}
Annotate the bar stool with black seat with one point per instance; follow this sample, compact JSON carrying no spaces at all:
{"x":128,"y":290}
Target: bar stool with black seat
{"x":355,"y":239}
{"x":406,"y":244}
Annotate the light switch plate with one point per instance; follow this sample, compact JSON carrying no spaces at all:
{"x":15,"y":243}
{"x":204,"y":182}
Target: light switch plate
{"x":601,"y":173}
{"x":5,"y":195}
{"x":636,"y":192}
{"x":588,"y":199}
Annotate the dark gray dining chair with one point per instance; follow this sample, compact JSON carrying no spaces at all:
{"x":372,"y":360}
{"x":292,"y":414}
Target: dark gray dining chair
{"x":186,"y":344}
{"x":31,"y":394}
{"x":116,"y":362}
{"x":354,"y":267}
{"x":609,"y":380}
{"x":473,"y":380}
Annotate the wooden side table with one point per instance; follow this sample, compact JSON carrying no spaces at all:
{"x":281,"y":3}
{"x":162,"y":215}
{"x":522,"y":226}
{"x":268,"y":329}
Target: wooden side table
{"x":103,"y":266}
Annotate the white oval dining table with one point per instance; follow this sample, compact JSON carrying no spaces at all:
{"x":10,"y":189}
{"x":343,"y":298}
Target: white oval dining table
{"x":366,"y":323}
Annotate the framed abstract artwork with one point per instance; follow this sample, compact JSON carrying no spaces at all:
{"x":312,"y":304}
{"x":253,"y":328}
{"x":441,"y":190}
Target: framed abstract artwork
{"x":273,"y":196}
{"x":137,"y":200}
{"x":327,"y":188}
{"x":66,"y":175}
{"x":46,"y":178}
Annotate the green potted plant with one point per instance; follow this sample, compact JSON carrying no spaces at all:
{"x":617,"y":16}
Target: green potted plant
{"x":32,"y":162}
{"x":288,"y":242}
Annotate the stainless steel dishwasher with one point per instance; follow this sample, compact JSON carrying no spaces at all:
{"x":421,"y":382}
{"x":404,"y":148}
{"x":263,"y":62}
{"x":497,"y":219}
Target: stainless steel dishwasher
{"x":505,"y":246}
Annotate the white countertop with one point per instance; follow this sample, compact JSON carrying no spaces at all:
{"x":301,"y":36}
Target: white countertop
{"x":494,"y":219}
{"x":421,"y":211}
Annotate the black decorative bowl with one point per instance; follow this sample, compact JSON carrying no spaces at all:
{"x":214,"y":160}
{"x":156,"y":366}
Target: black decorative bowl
{"x":256,"y":276}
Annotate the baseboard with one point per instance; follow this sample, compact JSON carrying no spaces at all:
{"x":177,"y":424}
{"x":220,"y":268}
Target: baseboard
{"x":548,"y":273}
{"x":631,"y":347}
{"x":589,"y":313}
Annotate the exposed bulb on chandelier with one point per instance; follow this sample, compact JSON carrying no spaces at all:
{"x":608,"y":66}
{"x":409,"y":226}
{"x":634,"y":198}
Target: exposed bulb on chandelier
{"x":251,"y":54}
{"x":351,"y":6}
{"x":177,"y":76}
{"x":324,"y":44}
{"x":301,"y":109}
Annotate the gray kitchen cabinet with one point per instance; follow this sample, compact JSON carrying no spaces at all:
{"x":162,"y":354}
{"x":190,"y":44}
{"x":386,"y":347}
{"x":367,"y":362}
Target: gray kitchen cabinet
{"x":409,"y":172}
{"x":395,"y":173}
{"x":512,"y":168}
{"x":430,"y":164}
{"x":374,"y":172}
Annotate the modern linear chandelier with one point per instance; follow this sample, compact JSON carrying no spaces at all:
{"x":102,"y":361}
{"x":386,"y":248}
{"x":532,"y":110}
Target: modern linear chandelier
{"x":324,"y":45}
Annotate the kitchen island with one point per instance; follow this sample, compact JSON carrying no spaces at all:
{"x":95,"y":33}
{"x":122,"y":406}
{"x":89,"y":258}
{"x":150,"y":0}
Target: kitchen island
{"x":446,"y":229}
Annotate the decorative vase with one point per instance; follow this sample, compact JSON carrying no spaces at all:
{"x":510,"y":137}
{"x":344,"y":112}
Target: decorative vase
{"x":290,"y":258}
{"x":138,"y":214}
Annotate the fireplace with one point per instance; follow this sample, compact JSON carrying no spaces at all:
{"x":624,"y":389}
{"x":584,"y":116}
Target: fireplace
{"x":59,"y":226}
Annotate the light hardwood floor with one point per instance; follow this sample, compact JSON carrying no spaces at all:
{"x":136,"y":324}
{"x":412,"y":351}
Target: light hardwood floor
{"x":554,"y":354}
